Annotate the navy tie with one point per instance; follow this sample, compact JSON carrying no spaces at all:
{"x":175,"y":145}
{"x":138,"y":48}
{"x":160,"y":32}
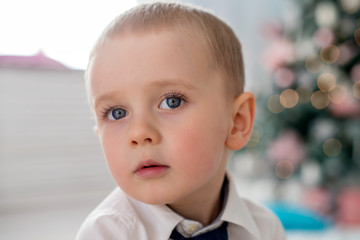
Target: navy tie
{"x":219,"y":233}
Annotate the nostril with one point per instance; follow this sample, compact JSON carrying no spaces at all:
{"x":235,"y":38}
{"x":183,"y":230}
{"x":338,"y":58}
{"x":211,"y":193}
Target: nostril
{"x":146,"y":140}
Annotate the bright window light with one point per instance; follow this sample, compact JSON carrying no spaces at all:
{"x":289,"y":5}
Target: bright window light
{"x":64,"y":30}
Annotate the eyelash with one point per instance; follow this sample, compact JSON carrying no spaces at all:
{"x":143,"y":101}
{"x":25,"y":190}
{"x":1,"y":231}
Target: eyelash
{"x":174,"y":95}
{"x":105,"y":112}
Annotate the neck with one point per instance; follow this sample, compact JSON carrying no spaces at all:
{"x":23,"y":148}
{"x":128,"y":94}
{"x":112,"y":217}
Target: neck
{"x":201,"y":207}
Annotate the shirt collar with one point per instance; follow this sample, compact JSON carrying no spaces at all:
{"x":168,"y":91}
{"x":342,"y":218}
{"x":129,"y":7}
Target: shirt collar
{"x":164,"y":219}
{"x":190,"y":228}
{"x":237,"y":212}
{"x":160,"y":220}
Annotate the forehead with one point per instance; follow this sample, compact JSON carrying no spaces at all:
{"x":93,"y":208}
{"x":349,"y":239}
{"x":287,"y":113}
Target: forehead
{"x":140,"y":48}
{"x":137,"y":33}
{"x":154,"y":54}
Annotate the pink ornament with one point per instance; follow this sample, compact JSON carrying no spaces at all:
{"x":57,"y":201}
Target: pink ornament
{"x":355,"y":73}
{"x":317,"y":199}
{"x":287,"y":146}
{"x":284,"y":77}
{"x":349,"y":207}
{"x":323,"y":37}
{"x":347,"y":52}
{"x":349,"y":107}
{"x":279,"y":53}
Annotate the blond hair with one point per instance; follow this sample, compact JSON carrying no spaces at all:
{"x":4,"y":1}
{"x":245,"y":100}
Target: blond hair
{"x":217,"y":37}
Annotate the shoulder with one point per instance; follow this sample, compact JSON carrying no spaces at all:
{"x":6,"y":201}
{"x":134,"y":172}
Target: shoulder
{"x":258,"y":211}
{"x":248,"y":215}
{"x":114,"y":218}
{"x":267,"y":222}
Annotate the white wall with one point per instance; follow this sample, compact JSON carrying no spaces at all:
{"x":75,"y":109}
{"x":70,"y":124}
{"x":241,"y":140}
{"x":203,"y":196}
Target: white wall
{"x":50,"y":160}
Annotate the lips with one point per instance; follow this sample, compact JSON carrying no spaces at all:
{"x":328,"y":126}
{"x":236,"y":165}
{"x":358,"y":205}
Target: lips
{"x":150,"y":169}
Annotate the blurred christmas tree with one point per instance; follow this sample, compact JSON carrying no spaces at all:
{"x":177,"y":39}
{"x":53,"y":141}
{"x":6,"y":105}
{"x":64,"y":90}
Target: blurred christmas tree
{"x":310,"y":120}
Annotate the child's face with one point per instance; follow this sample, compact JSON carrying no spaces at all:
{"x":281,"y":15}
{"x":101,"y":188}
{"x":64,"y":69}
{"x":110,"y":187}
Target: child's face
{"x":163,"y":116}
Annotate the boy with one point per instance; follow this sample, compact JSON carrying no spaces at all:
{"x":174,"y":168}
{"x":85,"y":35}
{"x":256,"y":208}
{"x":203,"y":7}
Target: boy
{"x":165,"y":82}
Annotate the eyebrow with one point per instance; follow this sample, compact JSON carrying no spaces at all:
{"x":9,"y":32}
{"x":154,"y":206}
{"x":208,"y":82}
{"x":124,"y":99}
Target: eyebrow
{"x":157,"y":84}
{"x":106,"y":96}
{"x":172,"y":83}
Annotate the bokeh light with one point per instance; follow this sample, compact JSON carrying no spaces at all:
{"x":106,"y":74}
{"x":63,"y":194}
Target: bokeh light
{"x":274,"y":104}
{"x":284,"y":169}
{"x":356,"y":90}
{"x":289,"y":98}
{"x":320,"y":99}
{"x":314,"y":63}
{"x":338,"y":94}
{"x":332,"y":147}
{"x":326,"y":14}
{"x":350,"y":6}
{"x":326,"y":82}
{"x":330,"y":54}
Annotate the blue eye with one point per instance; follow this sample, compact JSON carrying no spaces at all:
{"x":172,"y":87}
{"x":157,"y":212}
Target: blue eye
{"x":171,"y":103}
{"x":117,"y":114}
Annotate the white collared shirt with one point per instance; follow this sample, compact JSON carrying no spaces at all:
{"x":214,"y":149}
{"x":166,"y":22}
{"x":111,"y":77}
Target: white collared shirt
{"x":122,"y":217}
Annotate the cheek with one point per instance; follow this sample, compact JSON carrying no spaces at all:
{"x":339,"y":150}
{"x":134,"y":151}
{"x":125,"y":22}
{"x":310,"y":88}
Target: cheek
{"x":200,"y":144}
{"x":107,"y":144}
{"x":112,"y":138}
{"x":111,"y":146}
{"x":118,"y":168}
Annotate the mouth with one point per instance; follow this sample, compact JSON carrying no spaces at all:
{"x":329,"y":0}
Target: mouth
{"x":150,"y":169}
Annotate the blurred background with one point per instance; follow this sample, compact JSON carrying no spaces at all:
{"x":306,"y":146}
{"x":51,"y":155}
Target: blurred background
{"x":302,"y":61}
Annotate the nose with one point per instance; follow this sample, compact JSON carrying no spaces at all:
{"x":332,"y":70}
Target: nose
{"x":143,"y":131}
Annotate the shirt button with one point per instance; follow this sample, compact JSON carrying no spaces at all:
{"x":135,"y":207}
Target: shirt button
{"x":193,"y":228}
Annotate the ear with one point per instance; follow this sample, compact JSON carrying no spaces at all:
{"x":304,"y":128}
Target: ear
{"x":242,"y":121}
